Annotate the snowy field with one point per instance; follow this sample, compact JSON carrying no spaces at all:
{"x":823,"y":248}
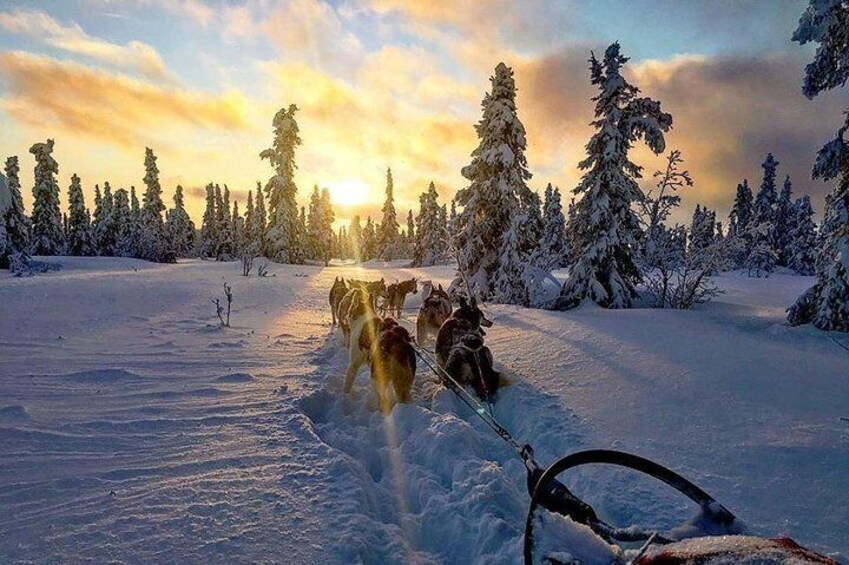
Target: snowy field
{"x":134,"y":429}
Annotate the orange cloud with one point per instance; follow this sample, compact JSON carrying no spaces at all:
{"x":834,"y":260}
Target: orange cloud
{"x":85,"y":101}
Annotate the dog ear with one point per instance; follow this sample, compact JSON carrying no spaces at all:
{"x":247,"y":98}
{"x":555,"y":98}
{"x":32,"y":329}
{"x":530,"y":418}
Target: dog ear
{"x":440,"y":287}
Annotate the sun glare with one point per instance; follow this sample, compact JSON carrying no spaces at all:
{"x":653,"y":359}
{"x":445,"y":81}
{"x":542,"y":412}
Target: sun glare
{"x":349,"y":192}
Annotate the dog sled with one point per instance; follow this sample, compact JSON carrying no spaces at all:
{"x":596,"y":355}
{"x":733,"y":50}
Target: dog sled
{"x":460,"y":359}
{"x":721,"y":538}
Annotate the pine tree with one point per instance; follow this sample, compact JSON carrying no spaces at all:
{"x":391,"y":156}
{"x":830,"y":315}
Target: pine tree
{"x":802,"y":238}
{"x":209,"y":225}
{"x":327,"y":219}
{"x":387,"y":233}
{"x":355,"y":237}
{"x":79,"y":240}
{"x":742,"y":210}
{"x":223,"y":219}
{"x":767,"y":199}
{"x":283,"y":236}
{"x":105,"y":233}
{"x":135,"y":225}
{"x":122,"y":225}
{"x":14,"y":225}
{"x":249,"y":231}
{"x":151,"y":244}
{"x":784,"y":215}
{"x":180,"y":228}
{"x":237,"y":224}
{"x":497,"y":195}
{"x":553,"y":251}
{"x":314,"y":225}
{"x":47,"y":235}
{"x":430,"y":233}
{"x":259,"y":227}
{"x":607,"y":228}
{"x":411,"y":234}
{"x":368,"y":241}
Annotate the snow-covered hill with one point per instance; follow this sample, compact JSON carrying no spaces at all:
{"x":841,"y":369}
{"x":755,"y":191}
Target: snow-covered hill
{"x":134,"y":429}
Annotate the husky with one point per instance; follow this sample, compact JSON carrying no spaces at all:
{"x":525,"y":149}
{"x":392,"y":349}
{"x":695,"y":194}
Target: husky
{"x":385,"y":345}
{"x":461,"y":352}
{"x":393,"y":362}
{"x":343,"y":311}
{"x":337,"y":292}
{"x":435,"y":309}
{"x":396,"y":295}
{"x":363,"y":325}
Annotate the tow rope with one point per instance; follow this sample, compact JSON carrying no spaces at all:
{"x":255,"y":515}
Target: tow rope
{"x":546,"y":491}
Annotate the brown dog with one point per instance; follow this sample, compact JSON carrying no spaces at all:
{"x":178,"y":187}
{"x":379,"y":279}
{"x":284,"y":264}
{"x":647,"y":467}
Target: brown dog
{"x":396,"y":295}
{"x":337,"y":292}
{"x":435,"y":309}
{"x":393,"y":362}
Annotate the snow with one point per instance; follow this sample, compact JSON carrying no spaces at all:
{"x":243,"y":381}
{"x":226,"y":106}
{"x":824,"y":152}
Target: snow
{"x":134,"y":428}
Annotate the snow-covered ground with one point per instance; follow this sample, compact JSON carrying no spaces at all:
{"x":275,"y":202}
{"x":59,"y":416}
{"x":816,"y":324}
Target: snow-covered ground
{"x":134,"y":429}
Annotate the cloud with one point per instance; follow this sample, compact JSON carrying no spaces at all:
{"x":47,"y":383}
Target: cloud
{"x":81,"y":100}
{"x":731,"y":111}
{"x":38,"y":25}
{"x":728,"y":111}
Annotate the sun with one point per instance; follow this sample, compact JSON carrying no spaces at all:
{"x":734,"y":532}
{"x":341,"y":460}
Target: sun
{"x":349,"y":192}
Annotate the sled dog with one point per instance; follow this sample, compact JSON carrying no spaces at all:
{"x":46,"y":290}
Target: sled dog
{"x":435,"y":309}
{"x":337,"y":292}
{"x":393,"y":363}
{"x":461,"y":352}
{"x":396,"y":295}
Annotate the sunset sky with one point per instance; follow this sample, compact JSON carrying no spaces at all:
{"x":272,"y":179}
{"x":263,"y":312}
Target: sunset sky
{"x":392,"y":83}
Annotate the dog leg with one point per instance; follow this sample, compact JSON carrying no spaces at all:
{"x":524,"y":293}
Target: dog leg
{"x":356,"y":361}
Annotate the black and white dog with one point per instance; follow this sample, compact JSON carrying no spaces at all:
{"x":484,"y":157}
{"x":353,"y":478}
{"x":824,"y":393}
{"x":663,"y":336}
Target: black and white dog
{"x":461,"y":352}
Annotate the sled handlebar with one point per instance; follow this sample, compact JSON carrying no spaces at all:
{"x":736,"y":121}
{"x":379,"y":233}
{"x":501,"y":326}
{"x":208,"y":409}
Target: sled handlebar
{"x":554,"y":496}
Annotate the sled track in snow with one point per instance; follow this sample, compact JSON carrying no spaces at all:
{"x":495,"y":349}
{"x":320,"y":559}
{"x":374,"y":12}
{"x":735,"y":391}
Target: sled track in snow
{"x":428,"y":483}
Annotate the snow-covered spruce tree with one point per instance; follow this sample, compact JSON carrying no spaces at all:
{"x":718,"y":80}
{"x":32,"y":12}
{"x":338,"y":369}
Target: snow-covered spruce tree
{"x":607,"y":228}
{"x":223,"y":219}
{"x":135,"y":224}
{"x":552,"y":251}
{"x":14,"y":225}
{"x":702,"y":231}
{"x":826,"y":304}
{"x":767,"y":197}
{"x":496,"y":194}
{"x":180,"y":228}
{"x":209,"y":225}
{"x":410,"y":245}
{"x":387,"y":233}
{"x":259,"y":225}
{"x":784,"y":215}
{"x":283,"y":236}
{"x":315,"y":239}
{"x":48,"y":237}
{"x":509,"y":286}
{"x":248,"y":230}
{"x":368,"y":247}
{"x":802,"y":238}
{"x":122,"y":225}
{"x":742,"y":211}
{"x":151,"y":244}
{"x":355,"y":238}
{"x":237,"y":225}
{"x":762,"y":252}
{"x":79,"y":240}
{"x":105,"y":231}
{"x":430,"y":234}
{"x":327,"y":219}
